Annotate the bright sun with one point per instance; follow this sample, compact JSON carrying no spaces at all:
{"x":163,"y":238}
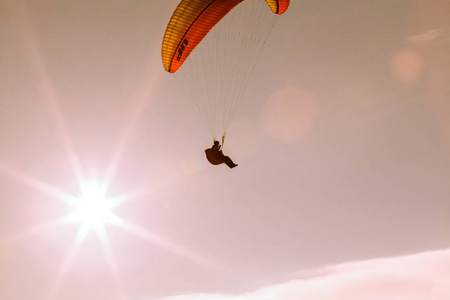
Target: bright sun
{"x":92,"y":209}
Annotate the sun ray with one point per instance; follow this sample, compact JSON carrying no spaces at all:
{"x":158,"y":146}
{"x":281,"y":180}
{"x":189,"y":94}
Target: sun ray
{"x":46,"y":85}
{"x":172,"y":247}
{"x":40,"y":186}
{"x":130,"y":196}
{"x":65,"y":266}
{"x":35,"y":230}
{"x":148,"y":82}
{"x":112,"y":265}
{"x":140,"y":193}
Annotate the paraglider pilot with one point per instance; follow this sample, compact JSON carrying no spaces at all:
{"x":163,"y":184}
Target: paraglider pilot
{"x":216,"y":157}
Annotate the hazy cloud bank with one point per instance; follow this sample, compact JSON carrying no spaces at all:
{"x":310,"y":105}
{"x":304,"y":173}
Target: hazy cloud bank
{"x":421,"y":276}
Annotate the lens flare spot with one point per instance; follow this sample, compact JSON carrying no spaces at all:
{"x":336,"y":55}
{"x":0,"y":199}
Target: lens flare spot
{"x":406,"y":66}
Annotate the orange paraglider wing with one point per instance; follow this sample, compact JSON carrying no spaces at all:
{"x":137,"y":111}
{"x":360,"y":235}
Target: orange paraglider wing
{"x":191,"y":22}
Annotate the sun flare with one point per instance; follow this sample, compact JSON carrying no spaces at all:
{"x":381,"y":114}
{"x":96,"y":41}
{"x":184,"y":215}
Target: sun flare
{"x":92,"y":209}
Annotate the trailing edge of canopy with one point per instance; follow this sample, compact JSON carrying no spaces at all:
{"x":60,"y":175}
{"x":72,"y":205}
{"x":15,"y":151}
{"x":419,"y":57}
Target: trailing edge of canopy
{"x":191,"y":22}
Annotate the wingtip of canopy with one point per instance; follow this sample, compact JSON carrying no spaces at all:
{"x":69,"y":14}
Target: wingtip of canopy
{"x":278,"y":7}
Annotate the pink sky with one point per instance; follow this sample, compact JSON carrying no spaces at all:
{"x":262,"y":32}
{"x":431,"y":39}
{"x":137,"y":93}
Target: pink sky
{"x":342,"y":140}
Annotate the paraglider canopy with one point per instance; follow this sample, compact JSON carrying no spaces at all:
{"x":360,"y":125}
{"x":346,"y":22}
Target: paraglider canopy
{"x":192,"y":20}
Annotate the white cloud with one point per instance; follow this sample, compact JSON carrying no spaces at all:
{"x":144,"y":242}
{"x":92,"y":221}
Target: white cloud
{"x":428,"y":36}
{"x":421,"y":276}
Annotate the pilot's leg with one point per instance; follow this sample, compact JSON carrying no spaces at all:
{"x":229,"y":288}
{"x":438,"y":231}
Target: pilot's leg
{"x":227,"y":160}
